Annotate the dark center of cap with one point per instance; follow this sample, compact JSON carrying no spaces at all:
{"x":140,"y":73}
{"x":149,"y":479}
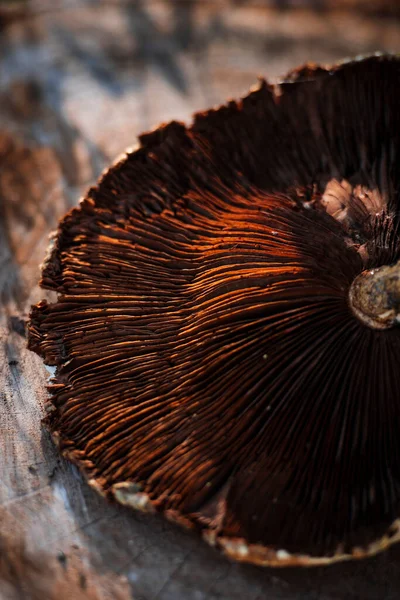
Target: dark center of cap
{"x":374,"y":296}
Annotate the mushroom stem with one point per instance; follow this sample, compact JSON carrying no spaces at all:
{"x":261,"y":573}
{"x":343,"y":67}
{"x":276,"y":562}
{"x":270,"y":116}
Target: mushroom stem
{"x":374,"y":296}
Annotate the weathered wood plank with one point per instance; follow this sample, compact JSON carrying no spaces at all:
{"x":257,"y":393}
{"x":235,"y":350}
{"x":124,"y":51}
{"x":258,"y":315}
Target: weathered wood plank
{"x":76,"y":87}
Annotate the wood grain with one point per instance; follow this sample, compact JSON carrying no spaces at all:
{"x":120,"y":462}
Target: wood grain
{"x":77,"y":86}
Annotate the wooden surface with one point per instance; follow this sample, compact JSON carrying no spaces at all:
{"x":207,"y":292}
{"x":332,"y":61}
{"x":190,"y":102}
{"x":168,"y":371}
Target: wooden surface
{"x":78,"y":82}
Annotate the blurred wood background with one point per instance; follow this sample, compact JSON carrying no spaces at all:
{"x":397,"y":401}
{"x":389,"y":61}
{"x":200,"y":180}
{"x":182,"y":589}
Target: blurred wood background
{"x":79,"y":80}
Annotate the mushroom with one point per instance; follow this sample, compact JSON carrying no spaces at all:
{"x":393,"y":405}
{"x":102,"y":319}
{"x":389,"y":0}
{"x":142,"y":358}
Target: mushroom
{"x":225,"y":333}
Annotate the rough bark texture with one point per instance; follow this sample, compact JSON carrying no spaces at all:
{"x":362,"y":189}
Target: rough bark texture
{"x":76,"y":87}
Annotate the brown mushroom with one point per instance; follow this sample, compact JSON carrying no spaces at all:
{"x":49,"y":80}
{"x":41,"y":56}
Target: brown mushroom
{"x":222,"y":349}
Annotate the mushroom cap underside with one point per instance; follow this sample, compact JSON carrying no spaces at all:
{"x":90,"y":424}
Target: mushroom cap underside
{"x":210,"y":364}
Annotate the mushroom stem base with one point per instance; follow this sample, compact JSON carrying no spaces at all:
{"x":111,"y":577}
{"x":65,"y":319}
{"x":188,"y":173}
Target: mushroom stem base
{"x":374,"y":296}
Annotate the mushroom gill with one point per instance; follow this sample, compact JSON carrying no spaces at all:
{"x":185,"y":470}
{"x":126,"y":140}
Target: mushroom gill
{"x":215,"y":361}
